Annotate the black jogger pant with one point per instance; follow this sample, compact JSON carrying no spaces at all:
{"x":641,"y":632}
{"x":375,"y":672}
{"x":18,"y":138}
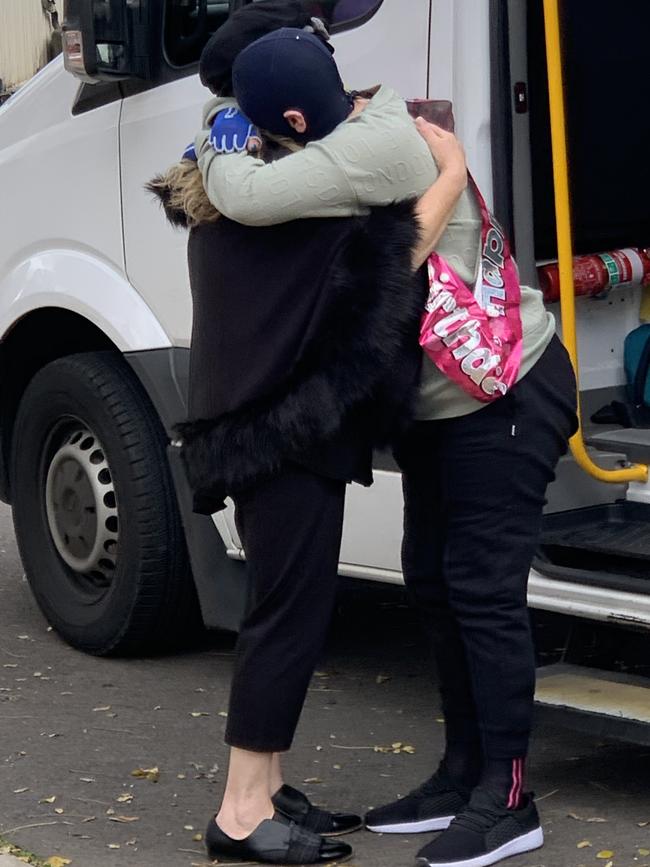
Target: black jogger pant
{"x":291,"y":528}
{"x":474,"y":492}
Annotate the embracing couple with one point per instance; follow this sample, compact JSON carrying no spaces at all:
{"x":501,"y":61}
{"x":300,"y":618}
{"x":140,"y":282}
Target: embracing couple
{"x":352,"y":291}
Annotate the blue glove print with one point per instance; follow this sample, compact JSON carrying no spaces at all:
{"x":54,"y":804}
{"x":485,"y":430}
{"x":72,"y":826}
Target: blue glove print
{"x":232,"y":132}
{"x":190,"y":153}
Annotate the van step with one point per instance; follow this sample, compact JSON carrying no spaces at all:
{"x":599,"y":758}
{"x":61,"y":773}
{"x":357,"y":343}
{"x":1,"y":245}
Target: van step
{"x":617,"y":530}
{"x":603,"y":703}
{"x":635,"y":442}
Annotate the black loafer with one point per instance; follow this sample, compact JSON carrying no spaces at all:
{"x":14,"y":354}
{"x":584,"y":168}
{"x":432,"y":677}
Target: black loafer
{"x":297,"y":807}
{"x":275,"y":841}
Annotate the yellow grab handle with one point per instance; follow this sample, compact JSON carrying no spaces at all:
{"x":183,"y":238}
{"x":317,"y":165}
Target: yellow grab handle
{"x":636,"y":472}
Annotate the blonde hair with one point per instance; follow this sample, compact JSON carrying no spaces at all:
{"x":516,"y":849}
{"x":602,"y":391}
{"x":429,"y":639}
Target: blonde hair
{"x":181,"y":190}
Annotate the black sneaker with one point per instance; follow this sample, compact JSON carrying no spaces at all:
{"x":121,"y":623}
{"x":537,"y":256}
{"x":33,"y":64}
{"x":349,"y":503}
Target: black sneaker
{"x":485,"y":832}
{"x":430,"y":807}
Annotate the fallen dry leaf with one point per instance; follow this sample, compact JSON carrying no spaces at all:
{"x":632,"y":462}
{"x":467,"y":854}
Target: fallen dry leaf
{"x":124,"y":820}
{"x":113,"y":845}
{"x":644,"y":852}
{"x":591,"y":819}
{"x":312,"y":780}
{"x":605,"y":855}
{"x":124,"y":798}
{"x":396,"y":748}
{"x":49,"y":800}
{"x":198,"y":713}
{"x":584,"y":844}
{"x":197,"y":838}
{"x":152,"y":774}
{"x":57,"y":861}
{"x":58,"y":811}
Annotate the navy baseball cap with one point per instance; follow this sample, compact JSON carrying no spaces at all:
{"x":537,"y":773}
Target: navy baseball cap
{"x":291,"y":69}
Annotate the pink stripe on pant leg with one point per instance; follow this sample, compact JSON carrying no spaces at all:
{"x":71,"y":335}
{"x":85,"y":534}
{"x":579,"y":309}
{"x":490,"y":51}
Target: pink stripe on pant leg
{"x":517,"y":783}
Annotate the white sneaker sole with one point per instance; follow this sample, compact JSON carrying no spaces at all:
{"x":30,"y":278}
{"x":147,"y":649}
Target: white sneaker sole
{"x":525,"y":843}
{"x":440,"y":823}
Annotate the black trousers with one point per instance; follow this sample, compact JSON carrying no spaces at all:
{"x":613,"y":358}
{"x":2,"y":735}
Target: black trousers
{"x":474,"y":492}
{"x":291,"y":528}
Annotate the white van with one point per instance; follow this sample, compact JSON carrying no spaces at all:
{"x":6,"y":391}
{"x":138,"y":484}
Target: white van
{"x":95,"y":305}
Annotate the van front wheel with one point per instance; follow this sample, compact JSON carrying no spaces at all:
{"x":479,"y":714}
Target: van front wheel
{"x":95,"y":511}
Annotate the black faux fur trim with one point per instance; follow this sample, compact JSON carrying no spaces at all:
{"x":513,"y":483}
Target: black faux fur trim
{"x":356,"y":360}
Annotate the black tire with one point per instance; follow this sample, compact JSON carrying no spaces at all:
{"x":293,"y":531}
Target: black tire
{"x":141,"y":596}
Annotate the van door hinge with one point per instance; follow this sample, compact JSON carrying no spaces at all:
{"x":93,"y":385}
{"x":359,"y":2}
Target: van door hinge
{"x":521,"y":97}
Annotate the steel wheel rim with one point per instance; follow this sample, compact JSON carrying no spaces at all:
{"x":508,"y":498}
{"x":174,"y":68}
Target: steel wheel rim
{"x":81,"y":506}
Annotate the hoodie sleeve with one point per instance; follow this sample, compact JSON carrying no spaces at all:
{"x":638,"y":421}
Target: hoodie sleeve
{"x":309,"y":183}
{"x":375,"y":159}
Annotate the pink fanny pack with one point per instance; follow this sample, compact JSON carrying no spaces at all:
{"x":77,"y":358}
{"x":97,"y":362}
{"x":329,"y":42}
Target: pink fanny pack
{"x":475,"y":337}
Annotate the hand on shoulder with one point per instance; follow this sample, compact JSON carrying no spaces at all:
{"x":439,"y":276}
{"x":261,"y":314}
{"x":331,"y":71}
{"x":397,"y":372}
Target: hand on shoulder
{"x":446,"y":149}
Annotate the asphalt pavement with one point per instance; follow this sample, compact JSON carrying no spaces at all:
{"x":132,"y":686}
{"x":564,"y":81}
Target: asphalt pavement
{"x":74,"y":729}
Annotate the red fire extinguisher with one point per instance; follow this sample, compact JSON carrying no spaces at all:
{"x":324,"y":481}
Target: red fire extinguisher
{"x":596,"y":274}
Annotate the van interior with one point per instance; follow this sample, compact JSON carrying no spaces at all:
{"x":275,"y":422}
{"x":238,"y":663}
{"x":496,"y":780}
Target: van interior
{"x":607,"y":90}
{"x":607,"y":86}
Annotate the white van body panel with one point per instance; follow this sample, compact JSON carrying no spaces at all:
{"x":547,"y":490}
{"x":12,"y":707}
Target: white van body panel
{"x":62,"y":171}
{"x":62,"y":234}
{"x":79,"y":281}
{"x":391,"y":48}
{"x":156,"y":127}
{"x":460,"y":71}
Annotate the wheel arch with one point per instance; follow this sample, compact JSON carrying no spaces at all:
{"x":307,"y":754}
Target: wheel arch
{"x":36,"y":339}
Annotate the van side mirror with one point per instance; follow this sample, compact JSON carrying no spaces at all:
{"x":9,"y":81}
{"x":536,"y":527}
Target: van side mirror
{"x":108,"y":40}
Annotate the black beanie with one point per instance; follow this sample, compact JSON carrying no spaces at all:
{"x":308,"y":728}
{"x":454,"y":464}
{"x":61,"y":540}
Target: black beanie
{"x":291,"y":69}
{"x":243,"y":27}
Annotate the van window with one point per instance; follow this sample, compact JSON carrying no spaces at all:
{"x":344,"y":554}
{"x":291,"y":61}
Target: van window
{"x":188,"y":26}
{"x":190,"y":23}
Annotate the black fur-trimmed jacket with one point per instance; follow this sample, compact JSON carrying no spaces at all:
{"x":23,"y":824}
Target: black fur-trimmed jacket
{"x":304,"y":346}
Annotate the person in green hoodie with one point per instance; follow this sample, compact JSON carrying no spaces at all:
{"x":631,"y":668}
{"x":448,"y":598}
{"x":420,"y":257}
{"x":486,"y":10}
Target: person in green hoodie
{"x":475,"y":474}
